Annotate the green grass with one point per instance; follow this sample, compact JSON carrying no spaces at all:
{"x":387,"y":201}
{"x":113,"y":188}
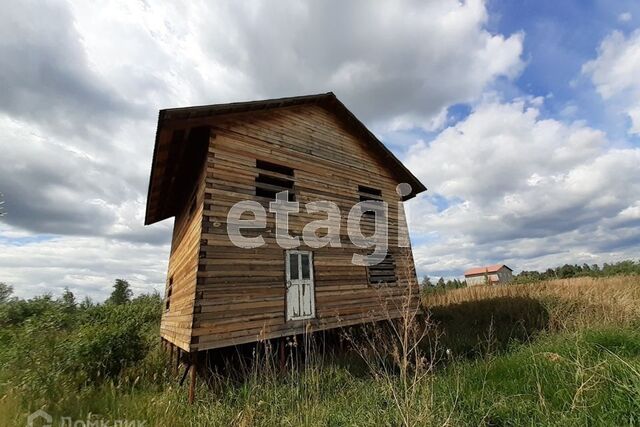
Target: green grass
{"x":506,"y":368}
{"x":582,"y":378}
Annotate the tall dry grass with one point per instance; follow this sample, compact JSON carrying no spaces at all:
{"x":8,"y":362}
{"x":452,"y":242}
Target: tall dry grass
{"x":569,"y":303}
{"x":394,"y":349}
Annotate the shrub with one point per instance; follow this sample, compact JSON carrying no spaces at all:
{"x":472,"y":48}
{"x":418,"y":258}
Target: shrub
{"x":103,"y":350}
{"x":50,"y":351}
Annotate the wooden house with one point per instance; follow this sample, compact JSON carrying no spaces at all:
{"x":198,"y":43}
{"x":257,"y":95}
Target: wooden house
{"x":208,"y":158}
{"x":498,"y":274}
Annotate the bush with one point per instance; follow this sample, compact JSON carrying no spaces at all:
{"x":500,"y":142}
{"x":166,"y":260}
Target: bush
{"x":103,"y":350}
{"x":50,"y":351}
{"x":111,"y":337}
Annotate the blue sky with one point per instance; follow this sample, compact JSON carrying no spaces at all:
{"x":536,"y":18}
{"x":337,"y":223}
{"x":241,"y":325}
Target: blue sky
{"x":522,"y":119}
{"x":560,"y":38}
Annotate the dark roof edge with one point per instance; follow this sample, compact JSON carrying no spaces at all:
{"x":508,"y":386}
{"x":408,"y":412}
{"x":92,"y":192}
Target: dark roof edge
{"x":153,"y":164}
{"x":247,"y":105}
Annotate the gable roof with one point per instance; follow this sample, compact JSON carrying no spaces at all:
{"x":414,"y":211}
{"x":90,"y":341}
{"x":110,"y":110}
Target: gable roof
{"x":488,"y":269}
{"x":157,"y":209}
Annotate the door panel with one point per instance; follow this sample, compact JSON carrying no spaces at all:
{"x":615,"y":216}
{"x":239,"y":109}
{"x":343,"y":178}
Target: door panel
{"x":300,"y":289}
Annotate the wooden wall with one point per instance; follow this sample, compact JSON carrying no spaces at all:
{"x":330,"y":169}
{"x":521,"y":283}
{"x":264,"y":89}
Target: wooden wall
{"x":240,"y":293}
{"x":176,"y":324}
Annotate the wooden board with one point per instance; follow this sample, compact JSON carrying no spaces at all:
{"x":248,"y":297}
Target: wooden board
{"x":177,"y":320}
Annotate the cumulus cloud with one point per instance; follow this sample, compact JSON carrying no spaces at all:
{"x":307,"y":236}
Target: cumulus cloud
{"x":88,"y":266}
{"x":45,"y":74}
{"x":85,"y":84}
{"x":525,"y":189}
{"x":615,"y":74}
{"x":73,"y":140}
{"x":400,"y":63}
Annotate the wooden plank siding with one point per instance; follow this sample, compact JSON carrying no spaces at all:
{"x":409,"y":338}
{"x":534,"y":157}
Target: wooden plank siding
{"x":177,"y":320}
{"x":224,"y":295}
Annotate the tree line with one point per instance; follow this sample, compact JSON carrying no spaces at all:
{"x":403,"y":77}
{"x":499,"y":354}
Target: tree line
{"x":14,"y":310}
{"x":566,"y":271}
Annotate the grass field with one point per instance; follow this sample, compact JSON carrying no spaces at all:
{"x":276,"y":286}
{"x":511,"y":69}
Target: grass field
{"x":551,"y":353}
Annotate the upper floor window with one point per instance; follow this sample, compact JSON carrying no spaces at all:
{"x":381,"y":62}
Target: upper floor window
{"x":368,"y":193}
{"x":273,"y":179}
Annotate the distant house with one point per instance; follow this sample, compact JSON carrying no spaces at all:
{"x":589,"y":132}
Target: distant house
{"x":498,"y":274}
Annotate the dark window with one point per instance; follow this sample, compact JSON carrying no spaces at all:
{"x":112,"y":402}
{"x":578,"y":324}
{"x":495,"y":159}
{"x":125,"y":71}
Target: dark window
{"x":383,"y":273}
{"x":272,"y":167}
{"x":167,"y":302}
{"x":368,"y":193}
{"x":293,"y":266}
{"x":273,"y":179}
{"x":304,"y":259}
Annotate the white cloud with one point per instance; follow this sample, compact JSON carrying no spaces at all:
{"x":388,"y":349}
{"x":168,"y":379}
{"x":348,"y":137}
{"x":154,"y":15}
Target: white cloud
{"x":625,"y":17}
{"x":403,"y":63}
{"x":87,"y":265}
{"x":523,"y":189}
{"x":415,"y":58}
{"x":615,"y":74}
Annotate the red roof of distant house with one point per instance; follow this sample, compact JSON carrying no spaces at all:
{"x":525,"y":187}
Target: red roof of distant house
{"x":482,"y":270}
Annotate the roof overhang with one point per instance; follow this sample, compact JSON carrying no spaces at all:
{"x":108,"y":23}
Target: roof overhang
{"x":167,"y":144}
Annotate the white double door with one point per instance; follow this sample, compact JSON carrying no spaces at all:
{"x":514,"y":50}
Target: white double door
{"x":300,"y":290}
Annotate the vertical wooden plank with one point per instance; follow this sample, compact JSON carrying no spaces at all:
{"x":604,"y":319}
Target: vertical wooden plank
{"x":171,"y":354}
{"x":283,"y":357}
{"x":177,"y":364}
{"x":193,"y":376}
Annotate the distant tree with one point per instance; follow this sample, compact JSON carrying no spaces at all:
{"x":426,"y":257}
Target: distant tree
{"x":550,"y":274}
{"x":625,"y":267}
{"x":5,"y":292}
{"x":68,"y":299}
{"x":441,"y":283}
{"x":529,"y":276}
{"x":152,"y":298}
{"x":86,"y":303}
{"x":566,"y":271}
{"x":426,"y":282}
{"x":121,"y":293}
